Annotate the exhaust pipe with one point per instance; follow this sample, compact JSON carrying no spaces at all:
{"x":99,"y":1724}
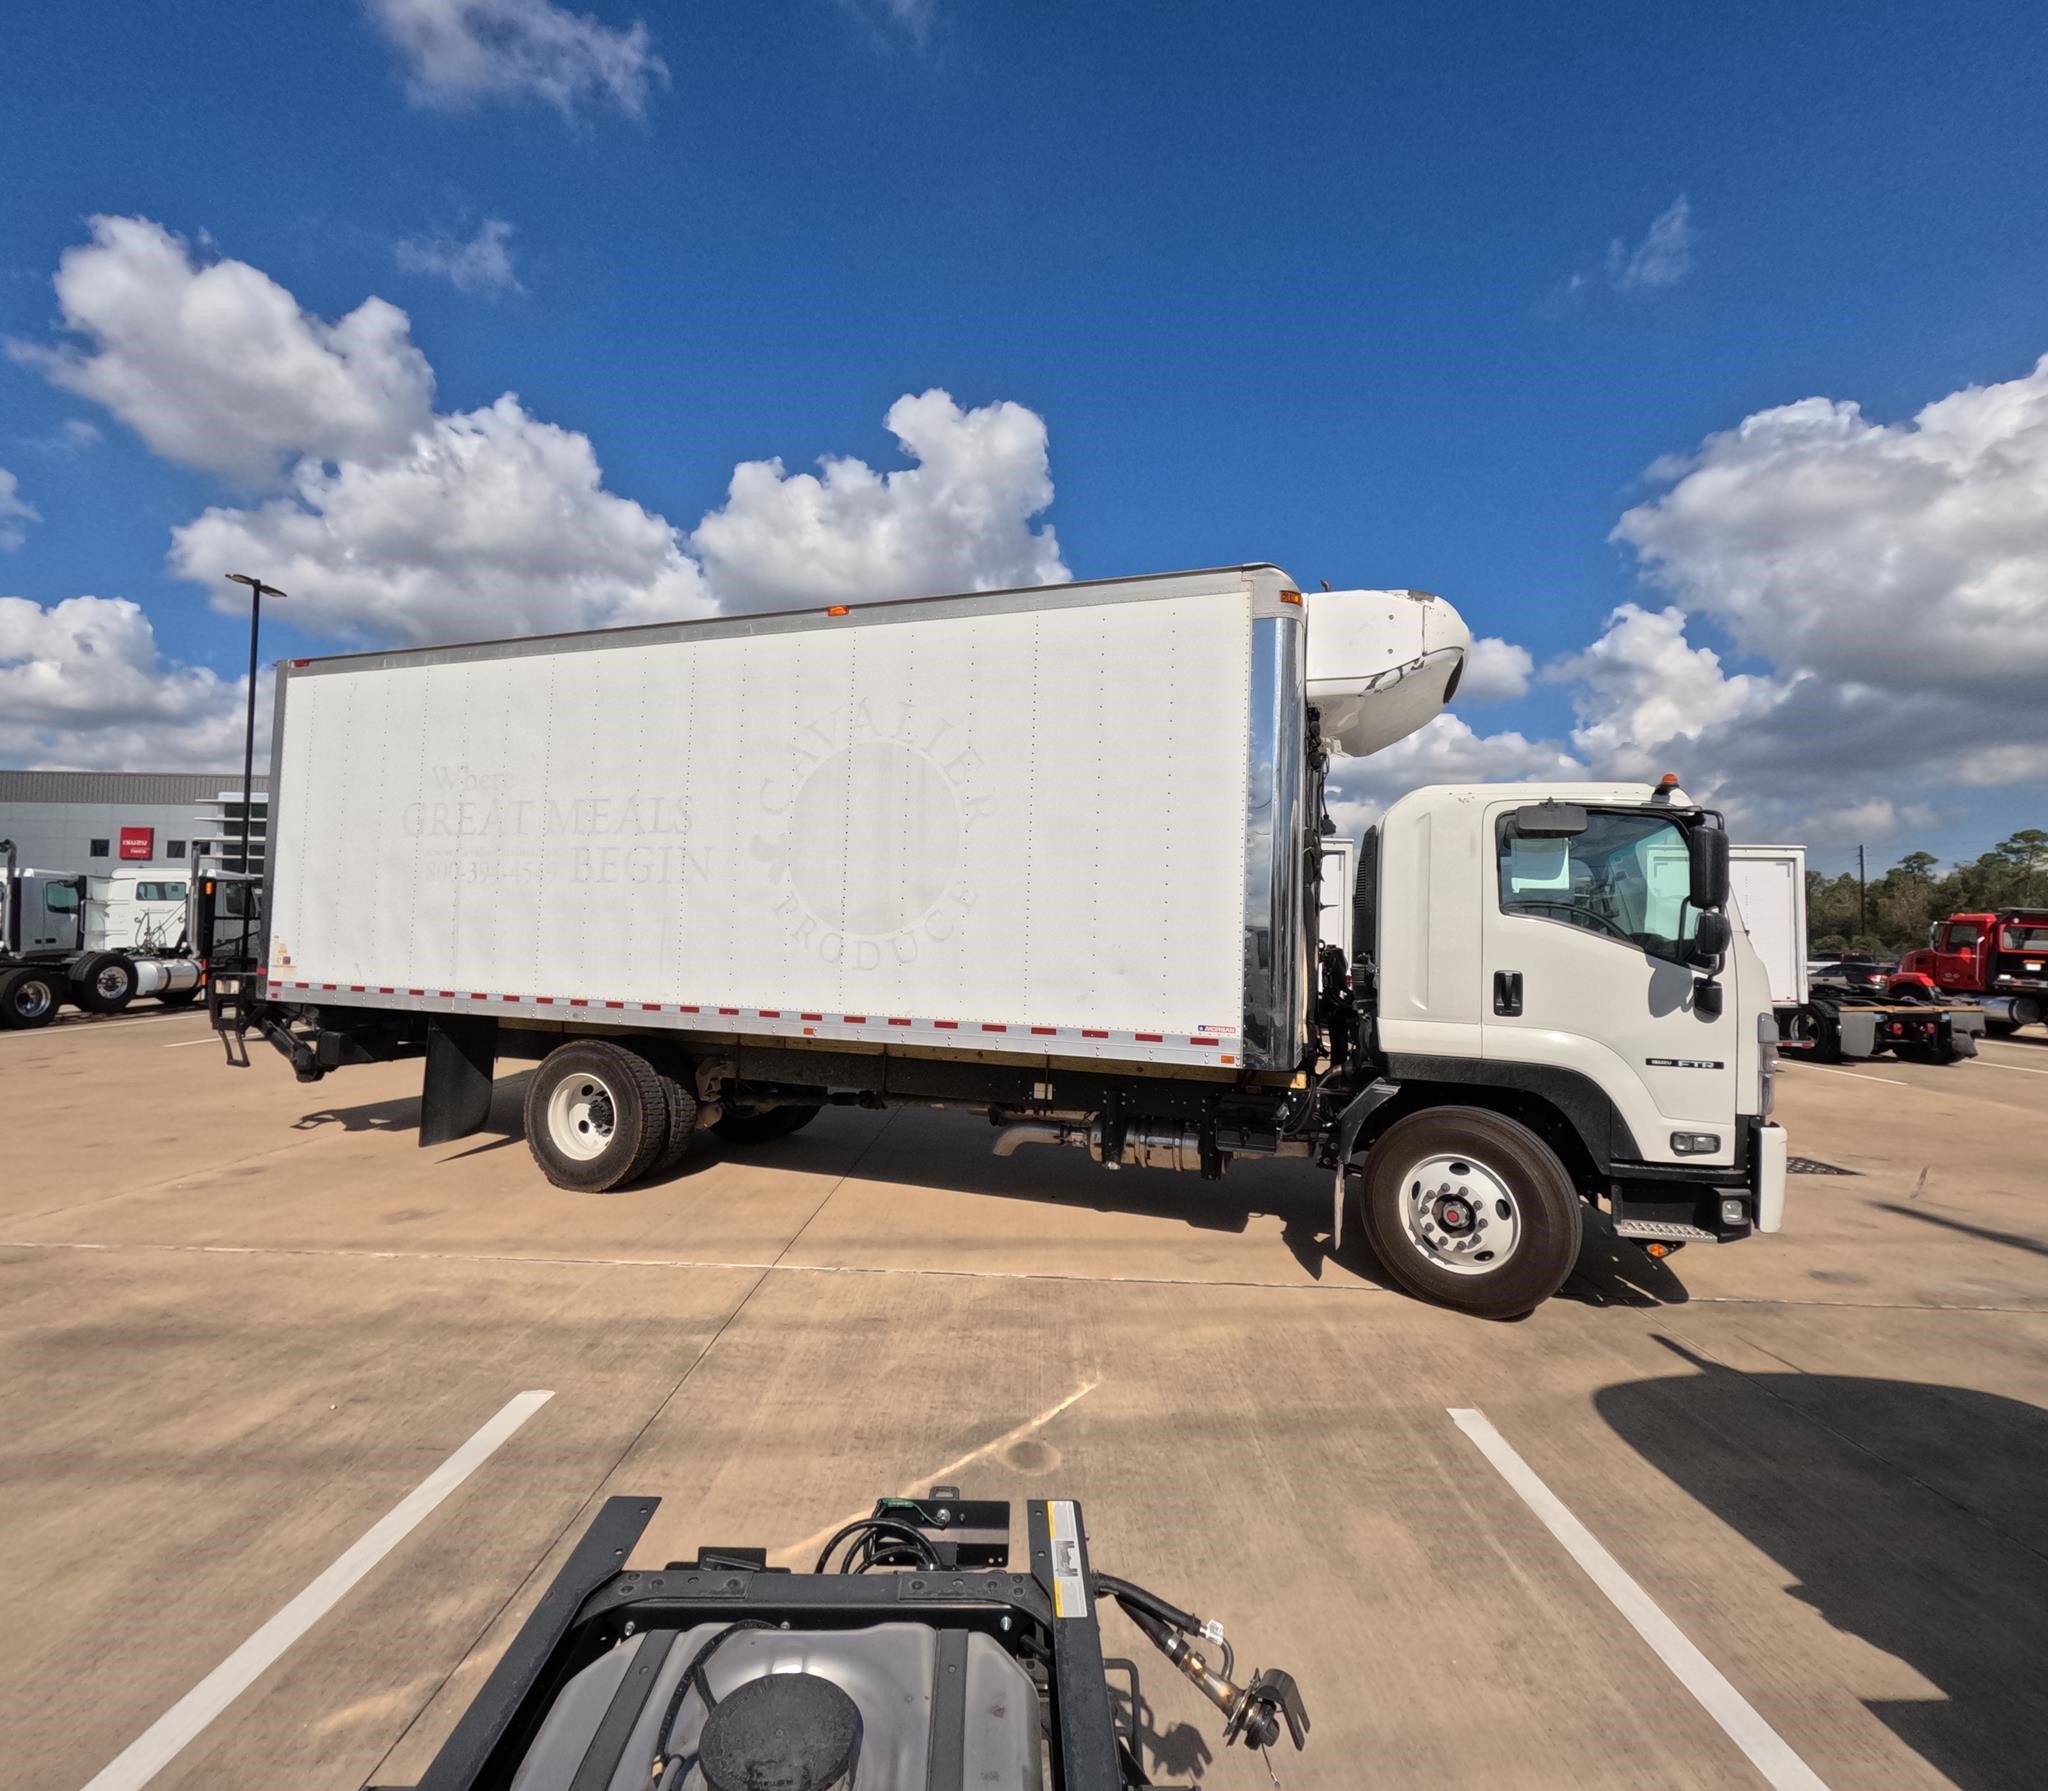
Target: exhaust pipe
{"x":1144,"y":1147}
{"x":1037,"y":1131}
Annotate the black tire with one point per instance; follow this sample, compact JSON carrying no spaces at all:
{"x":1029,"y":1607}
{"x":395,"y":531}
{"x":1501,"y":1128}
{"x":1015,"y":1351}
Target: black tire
{"x":595,"y":1116}
{"x":681,"y":1106}
{"x":104,"y":983}
{"x":1946,"y":1052}
{"x":181,"y":997}
{"x":1498,"y":1180}
{"x":764,"y":1127}
{"x":29,"y":998}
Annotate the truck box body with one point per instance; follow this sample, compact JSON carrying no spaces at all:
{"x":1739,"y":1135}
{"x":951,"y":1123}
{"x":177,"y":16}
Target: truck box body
{"x":1055,"y":822}
{"x":1769,"y":883}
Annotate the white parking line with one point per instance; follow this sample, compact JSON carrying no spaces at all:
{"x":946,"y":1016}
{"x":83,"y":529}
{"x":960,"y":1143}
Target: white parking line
{"x":1889,"y":1081}
{"x":1767,"y":1750}
{"x":159,"y":1744}
{"x":2018,"y":1069}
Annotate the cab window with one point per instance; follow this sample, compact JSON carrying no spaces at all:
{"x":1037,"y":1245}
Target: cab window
{"x":1963,"y":934}
{"x":1627,"y":878}
{"x":60,"y":898}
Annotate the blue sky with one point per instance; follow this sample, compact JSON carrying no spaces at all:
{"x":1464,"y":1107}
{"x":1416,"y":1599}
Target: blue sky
{"x":1379,"y":292}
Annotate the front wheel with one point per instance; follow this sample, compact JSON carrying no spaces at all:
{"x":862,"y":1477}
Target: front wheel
{"x":1472,"y":1210}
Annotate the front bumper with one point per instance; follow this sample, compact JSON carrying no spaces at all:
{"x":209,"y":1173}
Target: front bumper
{"x":1682,"y":1203}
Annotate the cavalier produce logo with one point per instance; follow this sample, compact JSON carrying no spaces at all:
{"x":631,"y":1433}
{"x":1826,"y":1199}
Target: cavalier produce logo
{"x":870,"y":810}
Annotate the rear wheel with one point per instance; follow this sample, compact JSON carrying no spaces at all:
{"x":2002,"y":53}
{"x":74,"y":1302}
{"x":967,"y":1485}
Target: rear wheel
{"x":104,"y":983}
{"x":1472,"y":1210}
{"x":596,"y":1116}
{"x":681,"y":1105}
{"x":1946,"y":1051}
{"x":29,"y":998}
{"x":764,"y":1127}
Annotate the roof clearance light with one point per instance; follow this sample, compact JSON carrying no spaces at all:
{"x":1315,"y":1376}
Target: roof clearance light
{"x":1293,"y":597}
{"x":840,"y":609}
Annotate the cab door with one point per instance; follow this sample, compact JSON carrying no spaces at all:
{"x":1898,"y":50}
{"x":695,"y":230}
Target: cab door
{"x":1586,"y":985}
{"x":1955,"y":959}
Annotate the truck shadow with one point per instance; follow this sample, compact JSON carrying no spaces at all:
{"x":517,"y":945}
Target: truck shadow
{"x":401,"y":1113}
{"x":1613,"y":1271}
{"x":1914,"y":1517}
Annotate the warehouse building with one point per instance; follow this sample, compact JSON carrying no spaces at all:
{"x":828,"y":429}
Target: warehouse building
{"x":87,"y":822}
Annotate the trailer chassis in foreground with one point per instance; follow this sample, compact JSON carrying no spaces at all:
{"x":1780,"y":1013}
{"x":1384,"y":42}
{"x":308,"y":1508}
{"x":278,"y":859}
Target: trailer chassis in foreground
{"x":923,"y":1663}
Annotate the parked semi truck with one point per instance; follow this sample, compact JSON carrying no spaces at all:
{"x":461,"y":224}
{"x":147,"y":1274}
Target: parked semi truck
{"x":95,"y":942}
{"x":1832,"y":1019}
{"x":1053,"y":854}
{"x":1995,"y":961}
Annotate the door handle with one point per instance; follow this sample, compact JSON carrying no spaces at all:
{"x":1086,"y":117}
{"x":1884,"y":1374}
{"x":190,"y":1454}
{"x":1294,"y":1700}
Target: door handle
{"x":1507,"y":992}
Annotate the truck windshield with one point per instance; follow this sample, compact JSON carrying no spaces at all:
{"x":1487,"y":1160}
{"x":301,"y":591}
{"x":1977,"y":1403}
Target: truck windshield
{"x":2031,"y":937}
{"x":1626,"y":877}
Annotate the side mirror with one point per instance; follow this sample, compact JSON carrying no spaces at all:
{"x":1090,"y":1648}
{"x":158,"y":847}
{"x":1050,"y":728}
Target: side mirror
{"x":1550,"y":821}
{"x":1708,"y":849}
{"x":1711,"y":937}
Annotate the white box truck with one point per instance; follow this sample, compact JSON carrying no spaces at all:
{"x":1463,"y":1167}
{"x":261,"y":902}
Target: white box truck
{"x":97,"y":942}
{"x":1853,"y":1011}
{"x":1052,"y":854}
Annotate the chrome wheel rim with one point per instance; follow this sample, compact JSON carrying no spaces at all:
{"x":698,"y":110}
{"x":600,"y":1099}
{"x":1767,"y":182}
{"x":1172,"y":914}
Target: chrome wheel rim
{"x":582,"y":1116}
{"x":111,"y":983}
{"x":1460,"y":1215}
{"x":33,"y":999}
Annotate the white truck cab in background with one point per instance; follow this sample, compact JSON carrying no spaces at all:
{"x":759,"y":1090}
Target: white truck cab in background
{"x":97,"y":941}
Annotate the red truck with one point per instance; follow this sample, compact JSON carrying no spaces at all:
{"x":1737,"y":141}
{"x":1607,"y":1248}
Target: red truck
{"x":1997,"y":960}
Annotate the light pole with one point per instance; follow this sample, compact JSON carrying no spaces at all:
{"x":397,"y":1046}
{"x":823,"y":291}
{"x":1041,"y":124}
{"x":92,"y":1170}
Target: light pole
{"x":258,"y":590}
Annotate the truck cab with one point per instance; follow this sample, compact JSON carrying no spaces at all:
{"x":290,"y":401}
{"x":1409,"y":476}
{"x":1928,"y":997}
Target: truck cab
{"x":1610,"y":1001}
{"x":1999,"y":957}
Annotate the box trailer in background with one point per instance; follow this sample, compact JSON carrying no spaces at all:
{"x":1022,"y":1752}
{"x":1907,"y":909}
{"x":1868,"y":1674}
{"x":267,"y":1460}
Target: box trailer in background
{"x":1827,"y":1018}
{"x":1054,"y":854}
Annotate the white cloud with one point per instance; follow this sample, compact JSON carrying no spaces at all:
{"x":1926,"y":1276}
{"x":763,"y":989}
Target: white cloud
{"x":460,"y":53}
{"x":960,"y":519}
{"x":1643,"y":692}
{"x":1907,"y":556}
{"x":398,"y":524}
{"x":1662,"y":258}
{"x":82,"y":686}
{"x":14,"y":511}
{"x":1889,"y":579}
{"x":912,"y":19}
{"x":1446,"y":751}
{"x":479,"y":263}
{"x":490,"y":523}
{"x":215,"y":364}
{"x":1496,"y":671}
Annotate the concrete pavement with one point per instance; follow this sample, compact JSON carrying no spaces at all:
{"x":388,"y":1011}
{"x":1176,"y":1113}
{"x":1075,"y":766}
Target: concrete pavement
{"x":243,"y":1318}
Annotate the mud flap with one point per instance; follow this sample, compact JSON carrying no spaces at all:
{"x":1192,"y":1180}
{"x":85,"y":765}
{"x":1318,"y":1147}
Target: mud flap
{"x":462,"y":1051}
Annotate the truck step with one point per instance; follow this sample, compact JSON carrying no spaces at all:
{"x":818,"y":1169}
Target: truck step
{"x":1662,"y":1228}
